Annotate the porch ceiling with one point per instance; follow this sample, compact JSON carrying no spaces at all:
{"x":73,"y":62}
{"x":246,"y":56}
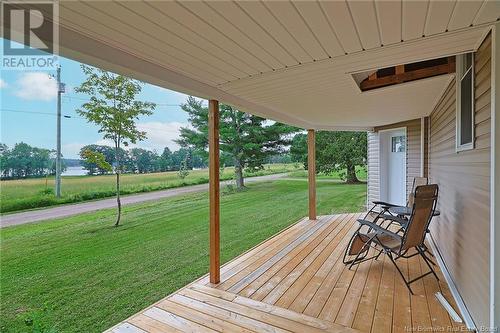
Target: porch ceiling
{"x":288,"y":61}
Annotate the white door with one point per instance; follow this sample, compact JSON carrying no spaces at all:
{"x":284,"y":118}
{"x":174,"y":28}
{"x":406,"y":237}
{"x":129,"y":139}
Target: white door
{"x":393,"y":166}
{"x":397,"y":168}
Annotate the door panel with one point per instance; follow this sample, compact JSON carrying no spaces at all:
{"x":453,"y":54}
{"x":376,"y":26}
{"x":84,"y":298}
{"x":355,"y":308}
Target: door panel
{"x":397,"y":168}
{"x":393,"y":166}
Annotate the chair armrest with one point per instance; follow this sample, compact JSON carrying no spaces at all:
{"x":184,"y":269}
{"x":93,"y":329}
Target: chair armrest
{"x":383,"y":203}
{"x":378,"y":228}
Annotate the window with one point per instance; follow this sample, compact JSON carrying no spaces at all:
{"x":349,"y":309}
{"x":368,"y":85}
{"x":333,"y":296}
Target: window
{"x":465,"y":101}
{"x":398,"y":144}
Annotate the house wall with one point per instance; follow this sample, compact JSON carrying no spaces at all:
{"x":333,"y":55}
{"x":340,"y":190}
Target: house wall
{"x":373,"y":178}
{"x":462,"y":232}
{"x":426,"y":146}
{"x":413,"y":162}
{"x":413,"y":153}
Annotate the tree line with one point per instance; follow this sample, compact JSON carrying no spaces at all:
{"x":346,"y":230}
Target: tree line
{"x":139,"y":160}
{"x":24,"y":161}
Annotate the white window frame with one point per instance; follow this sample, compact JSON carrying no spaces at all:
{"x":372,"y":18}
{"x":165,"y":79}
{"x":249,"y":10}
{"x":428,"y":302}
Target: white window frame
{"x":459,"y":77}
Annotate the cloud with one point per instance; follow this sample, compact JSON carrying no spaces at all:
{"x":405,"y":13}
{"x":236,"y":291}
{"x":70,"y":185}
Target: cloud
{"x":104,"y":142}
{"x":36,"y":86}
{"x":3,"y":84}
{"x":161,"y":134}
{"x":71,"y":150}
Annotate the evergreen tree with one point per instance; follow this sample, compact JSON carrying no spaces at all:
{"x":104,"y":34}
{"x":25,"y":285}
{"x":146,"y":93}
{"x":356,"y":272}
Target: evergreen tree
{"x":249,"y":140}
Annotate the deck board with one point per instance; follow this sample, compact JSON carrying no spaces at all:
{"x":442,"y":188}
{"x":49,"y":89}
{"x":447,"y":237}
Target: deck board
{"x":296,"y":282}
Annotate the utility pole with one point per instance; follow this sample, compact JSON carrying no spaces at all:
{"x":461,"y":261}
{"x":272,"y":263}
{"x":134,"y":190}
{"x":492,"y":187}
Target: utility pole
{"x":60,"y":90}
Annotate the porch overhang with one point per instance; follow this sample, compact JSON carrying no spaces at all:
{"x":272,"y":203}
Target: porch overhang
{"x":288,"y":61}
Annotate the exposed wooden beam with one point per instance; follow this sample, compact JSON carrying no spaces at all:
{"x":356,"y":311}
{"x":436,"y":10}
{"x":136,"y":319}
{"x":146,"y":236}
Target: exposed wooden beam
{"x":214,"y":190}
{"x":402,"y":74}
{"x":311,"y":167}
{"x":400,"y":69}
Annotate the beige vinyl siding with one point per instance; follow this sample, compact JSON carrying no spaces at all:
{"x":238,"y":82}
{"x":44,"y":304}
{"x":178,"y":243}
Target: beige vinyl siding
{"x":413,"y":153}
{"x":426,"y":146}
{"x":373,"y":167}
{"x":462,"y":230}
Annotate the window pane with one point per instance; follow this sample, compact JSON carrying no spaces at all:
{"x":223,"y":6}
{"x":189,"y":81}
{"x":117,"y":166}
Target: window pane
{"x":466,"y":109}
{"x":398,"y":144}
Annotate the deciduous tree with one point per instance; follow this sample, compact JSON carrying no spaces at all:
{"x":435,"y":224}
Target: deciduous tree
{"x":114,"y":108}
{"x":109,"y":156}
{"x":335,"y":152}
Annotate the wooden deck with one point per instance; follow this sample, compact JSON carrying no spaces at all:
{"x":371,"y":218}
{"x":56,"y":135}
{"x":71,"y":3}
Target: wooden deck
{"x":296,"y":282}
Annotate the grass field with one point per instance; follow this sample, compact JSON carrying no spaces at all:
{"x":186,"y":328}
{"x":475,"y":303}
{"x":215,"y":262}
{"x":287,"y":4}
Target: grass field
{"x":80,"y":274}
{"x":24,"y":194}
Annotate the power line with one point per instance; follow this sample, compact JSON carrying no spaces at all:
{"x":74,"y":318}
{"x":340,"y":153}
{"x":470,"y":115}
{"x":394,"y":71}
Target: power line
{"x":88,"y":100}
{"x":40,"y":113}
{"x":53,"y":114}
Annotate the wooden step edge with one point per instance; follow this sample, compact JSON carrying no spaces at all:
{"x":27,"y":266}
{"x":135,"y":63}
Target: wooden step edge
{"x":325,"y":325}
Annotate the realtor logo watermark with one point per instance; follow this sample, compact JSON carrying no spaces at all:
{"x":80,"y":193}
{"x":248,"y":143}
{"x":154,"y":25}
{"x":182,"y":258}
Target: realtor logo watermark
{"x":30,"y":35}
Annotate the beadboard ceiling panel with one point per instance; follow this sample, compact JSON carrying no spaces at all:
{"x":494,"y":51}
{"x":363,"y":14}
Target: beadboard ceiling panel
{"x":316,"y":20}
{"x":438,"y":16}
{"x":389,"y":18}
{"x":291,"y":61}
{"x":340,"y":18}
{"x":463,"y":14}
{"x":365,"y":20}
{"x":414,"y":17}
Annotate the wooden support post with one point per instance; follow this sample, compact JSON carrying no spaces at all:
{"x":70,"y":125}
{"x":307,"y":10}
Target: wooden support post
{"x":214,"y":191}
{"x":311,"y":166}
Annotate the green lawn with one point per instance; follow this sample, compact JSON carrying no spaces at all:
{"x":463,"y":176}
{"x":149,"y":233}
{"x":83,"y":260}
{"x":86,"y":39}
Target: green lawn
{"x":80,"y":274}
{"x":24,"y":194}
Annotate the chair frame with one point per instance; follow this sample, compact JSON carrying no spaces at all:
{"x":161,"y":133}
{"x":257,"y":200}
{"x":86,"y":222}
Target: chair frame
{"x":378,"y":245}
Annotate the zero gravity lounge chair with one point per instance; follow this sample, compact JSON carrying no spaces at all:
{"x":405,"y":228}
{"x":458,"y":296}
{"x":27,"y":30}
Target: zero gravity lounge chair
{"x":380,"y":208}
{"x":396,"y":245}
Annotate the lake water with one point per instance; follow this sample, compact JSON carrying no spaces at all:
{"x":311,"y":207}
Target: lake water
{"x":75,"y":171}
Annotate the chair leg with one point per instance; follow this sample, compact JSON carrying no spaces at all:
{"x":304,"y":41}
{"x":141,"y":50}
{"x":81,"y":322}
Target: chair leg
{"x":358,"y":258}
{"x":422,"y":254}
{"x":364,"y":251}
{"x":426,"y":249}
{"x":389,"y":254}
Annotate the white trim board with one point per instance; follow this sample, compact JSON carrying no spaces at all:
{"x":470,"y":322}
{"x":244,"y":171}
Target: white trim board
{"x":453,"y":288}
{"x":422,"y":144}
{"x":495,"y":180}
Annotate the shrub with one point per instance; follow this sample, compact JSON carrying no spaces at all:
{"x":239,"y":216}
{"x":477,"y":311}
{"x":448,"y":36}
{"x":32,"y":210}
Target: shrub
{"x":47,"y":191}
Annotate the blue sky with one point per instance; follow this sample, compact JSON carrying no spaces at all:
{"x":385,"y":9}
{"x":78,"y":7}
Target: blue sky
{"x":28,"y":108}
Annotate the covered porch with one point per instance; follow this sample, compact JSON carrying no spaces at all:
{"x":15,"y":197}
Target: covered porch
{"x":347,"y":66}
{"x":295,"y":281}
